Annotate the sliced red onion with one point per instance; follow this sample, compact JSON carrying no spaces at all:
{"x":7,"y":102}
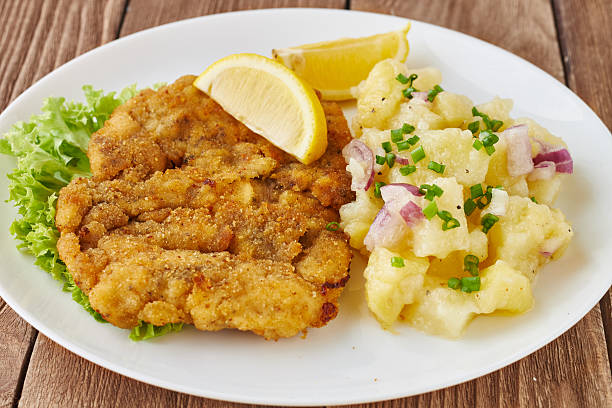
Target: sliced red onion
{"x":360,"y":152}
{"x":542,"y":171}
{"x":411,"y":213}
{"x":386,"y":230}
{"x":557,"y":154}
{"x":546,"y":254}
{"x":519,"y":150}
{"x":402,"y":160}
{"x":398,"y":191}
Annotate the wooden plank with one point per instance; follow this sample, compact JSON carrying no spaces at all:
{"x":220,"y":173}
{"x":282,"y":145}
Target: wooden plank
{"x":150,"y":13}
{"x":38,"y":36}
{"x":585,"y":30}
{"x":16,"y":340}
{"x":525,"y":28}
{"x":573,"y":370}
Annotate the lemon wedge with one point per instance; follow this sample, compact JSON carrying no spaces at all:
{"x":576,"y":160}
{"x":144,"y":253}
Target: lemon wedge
{"x":271,"y":100}
{"x":334,"y":67}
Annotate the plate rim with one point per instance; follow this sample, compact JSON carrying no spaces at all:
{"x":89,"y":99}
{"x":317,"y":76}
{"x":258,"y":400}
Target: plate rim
{"x":146,"y":378}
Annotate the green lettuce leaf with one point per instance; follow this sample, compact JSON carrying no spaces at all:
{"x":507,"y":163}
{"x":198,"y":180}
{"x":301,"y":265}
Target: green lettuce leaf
{"x":51,"y":151}
{"x":146,"y":331}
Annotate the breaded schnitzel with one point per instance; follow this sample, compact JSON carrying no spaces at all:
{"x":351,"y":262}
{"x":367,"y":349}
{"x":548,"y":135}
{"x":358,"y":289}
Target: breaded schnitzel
{"x":191,"y":217}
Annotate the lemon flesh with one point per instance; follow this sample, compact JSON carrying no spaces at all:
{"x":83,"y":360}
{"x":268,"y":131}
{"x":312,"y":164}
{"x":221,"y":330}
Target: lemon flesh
{"x":334,"y":67}
{"x":271,"y":100}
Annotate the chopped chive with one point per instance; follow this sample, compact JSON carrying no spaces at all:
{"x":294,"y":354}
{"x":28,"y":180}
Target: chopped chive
{"x":487,"y":138}
{"x":437,"y":167}
{"x":469,"y":206}
{"x":418,"y":154}
{"x":434,"y":92}
{"x":408,"y":92}
{"x":470,"y":284}
{"x":332,"y":226}
{"x":380,"y":160}
{"x":477,"y":144}
{"x":437,"y":190}
{"x":396,"y":135}
{"x":406,"y":128}
{"x":430,"y":191}
{"x":406,"y":170}
{"x":445,"y":215}
{"x":534,"y":200}
{"x":470,"y":264}
{"x":397,"y":262}
{"x":454,"y":283}
{"x":412,"y":78}
{"x":488,"y":221}
{"x":413,"y":140}
{"x":490,"y":150}
{"x":402,"y":79}
{"x":474,"y":126}
{"x":496,"y":124}
{"x":476,"y":191}
{"x":431,"y":210}
{"x":493,"y":125}
{"x":405,"y":145}
{"x":450,"y":224}
{"x":377,"y":187}
{"x":387,"y":146}
{"x":485,"y":199}
{"x":390,"y":159}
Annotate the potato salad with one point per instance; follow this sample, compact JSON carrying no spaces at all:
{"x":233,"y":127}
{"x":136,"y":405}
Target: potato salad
{"x":454,"y":201}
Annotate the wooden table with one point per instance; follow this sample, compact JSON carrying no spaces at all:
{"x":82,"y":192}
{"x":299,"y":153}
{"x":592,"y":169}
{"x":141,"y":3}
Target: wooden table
{"x":570,"y":39}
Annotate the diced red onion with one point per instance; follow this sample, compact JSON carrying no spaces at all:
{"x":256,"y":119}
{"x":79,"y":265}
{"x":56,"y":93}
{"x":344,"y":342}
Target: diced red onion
{"x":386,"y":230}
{"x":361,"y":153}
{"x":546,"y":254}
{"x":565,"y":167}
{"x":420,"y":97}
{"x":402,"y":160}
{"x":519,"y":150}
{"x":542,"y":171}
{"x":398,"y":191}
{"x":411,"y":213}
{"x":557,"y":154}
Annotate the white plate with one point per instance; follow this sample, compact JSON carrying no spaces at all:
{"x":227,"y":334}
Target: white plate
{"x":351,"y":360}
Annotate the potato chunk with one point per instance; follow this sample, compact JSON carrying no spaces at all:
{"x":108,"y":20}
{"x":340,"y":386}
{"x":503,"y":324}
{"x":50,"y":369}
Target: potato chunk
{"x":389,"y":288}
{"x":447,"y":312}
{"x":357,"y":216}
{"x":429,"y":239}
{"x":529,"y":235}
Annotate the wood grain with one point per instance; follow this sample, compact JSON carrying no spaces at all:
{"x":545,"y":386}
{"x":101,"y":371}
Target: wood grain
{"x":525,"y":28}
{"x":572,"y":371}
{"x":37,"y":37}
{"x":150,"y":13}
{"x":16,"y":339}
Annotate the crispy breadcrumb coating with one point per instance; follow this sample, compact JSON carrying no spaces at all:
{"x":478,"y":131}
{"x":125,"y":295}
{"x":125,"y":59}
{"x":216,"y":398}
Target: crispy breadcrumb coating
{"x":191,"y":217}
